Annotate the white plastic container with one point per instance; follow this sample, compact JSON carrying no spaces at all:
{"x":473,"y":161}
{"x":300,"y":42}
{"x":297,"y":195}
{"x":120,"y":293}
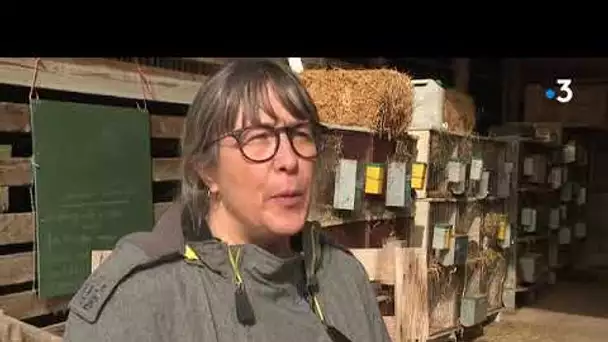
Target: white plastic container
{"x":429,"y":98}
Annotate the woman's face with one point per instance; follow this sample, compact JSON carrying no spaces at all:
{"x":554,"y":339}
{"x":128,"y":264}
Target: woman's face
{"x":271,"y":199}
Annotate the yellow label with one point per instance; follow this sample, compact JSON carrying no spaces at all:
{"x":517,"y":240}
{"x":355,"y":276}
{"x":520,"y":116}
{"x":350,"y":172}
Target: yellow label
{"x":374,"y":179}
{"x":418,"y":170}
{"x":418,"y":176}
{"x":373,"y":187}
{"x":417,"y":183}
{"x":374,"y":171}
{"x":502,"y":229}
{"x":448,"y":236}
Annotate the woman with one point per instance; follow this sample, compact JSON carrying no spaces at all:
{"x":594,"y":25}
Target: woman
{"x":236,"y":259}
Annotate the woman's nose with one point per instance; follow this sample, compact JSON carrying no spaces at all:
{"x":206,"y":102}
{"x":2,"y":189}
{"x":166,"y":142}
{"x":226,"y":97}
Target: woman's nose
{"x":286,"y":157}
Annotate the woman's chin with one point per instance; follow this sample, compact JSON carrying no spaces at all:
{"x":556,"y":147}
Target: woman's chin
{"x":285,"y":224}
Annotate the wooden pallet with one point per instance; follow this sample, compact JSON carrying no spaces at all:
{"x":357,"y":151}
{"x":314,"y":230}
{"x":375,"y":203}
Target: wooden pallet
{"x":437,"y":148}
{"x":392,"y":265}
{"x":12,"y":329}
{"x":18,"y":297}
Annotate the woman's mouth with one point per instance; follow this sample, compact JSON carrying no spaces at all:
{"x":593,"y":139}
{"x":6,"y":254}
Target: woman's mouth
{"x":288,"y":198}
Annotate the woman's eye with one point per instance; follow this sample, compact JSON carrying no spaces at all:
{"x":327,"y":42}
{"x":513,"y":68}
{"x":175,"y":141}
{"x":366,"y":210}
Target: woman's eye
{"x":257,"y":136}
{"x":305,"y":134}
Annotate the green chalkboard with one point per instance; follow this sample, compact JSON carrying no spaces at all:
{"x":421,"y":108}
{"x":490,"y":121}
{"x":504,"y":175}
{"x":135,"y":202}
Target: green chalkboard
{"x":93,"y":185}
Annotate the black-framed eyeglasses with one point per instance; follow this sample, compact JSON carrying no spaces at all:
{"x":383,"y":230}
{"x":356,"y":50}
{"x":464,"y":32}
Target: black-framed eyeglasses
{"x":260,"y":143}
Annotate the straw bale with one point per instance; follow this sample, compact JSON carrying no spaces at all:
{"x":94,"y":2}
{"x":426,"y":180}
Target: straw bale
{"x":459,"y":111}
{"x":445,"y":286}
{"x":476,"y":278}
{"x":497,"y":273}
{"x":379,"y":99}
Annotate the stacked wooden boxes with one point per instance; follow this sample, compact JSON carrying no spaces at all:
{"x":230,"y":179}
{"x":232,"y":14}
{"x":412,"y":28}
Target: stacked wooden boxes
{"x":461,"y":184}
{"x":583,"y":177}
{"x":362,"y":190}
{"x":364,"y":201}
{"x":536,"y":213}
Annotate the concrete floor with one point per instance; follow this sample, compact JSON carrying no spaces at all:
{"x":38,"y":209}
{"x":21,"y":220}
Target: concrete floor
{"x":568,"y":311}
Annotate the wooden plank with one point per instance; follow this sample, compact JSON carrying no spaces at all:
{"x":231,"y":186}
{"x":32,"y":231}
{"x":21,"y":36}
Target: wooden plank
{"x":5,"y":153}
{"x":26,"y":304}
{"x":16,"y":268}
{"x":165,"y":169}
{"x":55,"y":329}
{"x":16,"y":228}
{"x":379,"y":263}
{"x":15,"y":117}
{"x":101,"y":77}
{"x":411,"y":294}
{"x":12,"y":329}
{"x":164,"y":126}
{"x":209,"y":60}
{"x":222,"y":61}
{"x":17,"y":171}
{"x":391,"y":326}
{"x":370,"y":259}
{"x":461,"y":70}
{"x":19,"y":227}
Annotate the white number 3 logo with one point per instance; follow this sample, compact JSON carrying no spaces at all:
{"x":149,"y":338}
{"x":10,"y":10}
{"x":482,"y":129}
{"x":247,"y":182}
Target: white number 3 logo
{"x":566,"y":92}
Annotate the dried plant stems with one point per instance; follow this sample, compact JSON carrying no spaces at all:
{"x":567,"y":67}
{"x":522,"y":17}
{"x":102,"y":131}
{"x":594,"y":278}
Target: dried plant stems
{"x":380,"y":99}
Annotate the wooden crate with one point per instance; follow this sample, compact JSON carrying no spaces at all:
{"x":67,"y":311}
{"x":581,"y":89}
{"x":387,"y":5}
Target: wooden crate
{"x":485,"y":270}
{"x":587,"y":170}
{"x":436,"y":149}
{"x":361,"y":146}
{"x":19,"y":299}
{"x":534,"y":192}
{"x":469,"y":212}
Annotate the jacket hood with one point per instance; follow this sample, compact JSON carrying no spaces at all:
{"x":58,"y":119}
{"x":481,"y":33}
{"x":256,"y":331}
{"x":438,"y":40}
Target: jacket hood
{"x":178,"y":229}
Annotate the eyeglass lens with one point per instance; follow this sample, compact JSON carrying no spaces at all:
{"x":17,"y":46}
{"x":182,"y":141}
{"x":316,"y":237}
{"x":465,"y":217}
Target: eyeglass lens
{"x":262,"y":143}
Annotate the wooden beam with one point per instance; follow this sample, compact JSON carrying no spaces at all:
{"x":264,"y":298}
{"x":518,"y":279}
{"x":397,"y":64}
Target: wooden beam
{"x":168,"y":127}
{"x":209,"y":60}
{"x":370,"y":258}
{"x":27,"y":304}
{"x":165,"y":169}
{"x":15,"y":117}
{"x":16,"y":228}
{"x":17,"y":171}
{"x":12,"y":329}
{"x":55,"y":329}
{"x":460,"y":68}
{"x":16,"y":268}
{"x":101,"y":77}
{"x":19,"y":228}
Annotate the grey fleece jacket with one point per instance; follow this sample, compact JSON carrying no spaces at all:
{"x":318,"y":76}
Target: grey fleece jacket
{"x":148,"y":290}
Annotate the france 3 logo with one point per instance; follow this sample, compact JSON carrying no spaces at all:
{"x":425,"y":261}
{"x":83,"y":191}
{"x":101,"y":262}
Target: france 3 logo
{"x":564,"y":94}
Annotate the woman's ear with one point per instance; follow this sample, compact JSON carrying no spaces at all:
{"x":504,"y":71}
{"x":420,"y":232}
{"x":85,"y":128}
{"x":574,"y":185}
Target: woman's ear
{"x":207,"y":176}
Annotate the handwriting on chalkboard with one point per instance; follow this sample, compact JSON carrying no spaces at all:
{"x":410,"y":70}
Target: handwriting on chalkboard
{"x":53,"y":240}
{"x":86,"y":215}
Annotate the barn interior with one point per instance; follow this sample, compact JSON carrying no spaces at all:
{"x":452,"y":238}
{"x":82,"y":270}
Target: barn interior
{"x":510,"y":98}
